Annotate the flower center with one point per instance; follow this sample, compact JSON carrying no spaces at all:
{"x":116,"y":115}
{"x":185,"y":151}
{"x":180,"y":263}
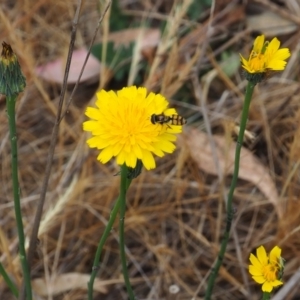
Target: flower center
{"x":270,"y":272}
{"x":257,"y":61}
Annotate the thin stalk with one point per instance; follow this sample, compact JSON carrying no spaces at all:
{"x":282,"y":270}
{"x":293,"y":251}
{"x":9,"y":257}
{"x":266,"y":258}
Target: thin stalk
{"x":266,"y":296}
{"x":123,"y":191}
{"x":10,"y":105}
{"x":103,"y":239}
{"x":8,"y":281}
{"x":244,"y":118}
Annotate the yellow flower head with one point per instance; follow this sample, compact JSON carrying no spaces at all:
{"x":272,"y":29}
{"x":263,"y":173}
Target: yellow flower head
{"x":265,"y":56}
{"x":267,"y":270}
{"x":121,"y":127}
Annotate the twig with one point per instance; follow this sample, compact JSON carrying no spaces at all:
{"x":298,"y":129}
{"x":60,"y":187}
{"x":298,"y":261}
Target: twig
{"x":85,"y":61}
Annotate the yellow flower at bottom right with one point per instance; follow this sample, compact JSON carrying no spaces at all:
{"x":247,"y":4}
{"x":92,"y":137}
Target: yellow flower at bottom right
{"x":267,"y":269}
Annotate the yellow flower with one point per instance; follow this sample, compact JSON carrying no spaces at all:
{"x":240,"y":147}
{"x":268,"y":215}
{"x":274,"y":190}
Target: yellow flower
{"x":121,"y":127}
{"x":265,"y":269}
{"x":265,"y":56}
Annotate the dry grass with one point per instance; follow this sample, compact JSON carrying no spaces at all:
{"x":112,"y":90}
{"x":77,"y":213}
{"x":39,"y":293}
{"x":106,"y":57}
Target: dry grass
{"x":175,"y":213}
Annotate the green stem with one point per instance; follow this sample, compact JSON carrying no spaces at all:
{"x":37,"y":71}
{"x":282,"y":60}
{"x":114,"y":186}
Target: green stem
{"x":123,"y":190}
{"x":10,"y":105}
{"x":266,"y":296}
{"x":8,"y":281}
{"x":244,"y":118}
{"x":103,"y":239}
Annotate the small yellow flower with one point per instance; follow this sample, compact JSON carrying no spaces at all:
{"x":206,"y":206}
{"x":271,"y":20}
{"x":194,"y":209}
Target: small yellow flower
{"x":266,"y":269}
{"x":121,"y":127}
{"x":265,"y":56}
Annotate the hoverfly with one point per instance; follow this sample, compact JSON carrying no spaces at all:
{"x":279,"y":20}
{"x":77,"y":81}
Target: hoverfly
{"x":171,"y":120}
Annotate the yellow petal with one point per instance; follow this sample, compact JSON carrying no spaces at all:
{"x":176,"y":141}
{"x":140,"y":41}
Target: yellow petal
{"x":105,"y":155}
{"x":255,"y":271}
{"x":255,"y":262}
{"x":148,"y":160}
{"x":259,"y":279}
{"x":89,"y":125}
{"x":174,"y":129}
{"x":121,"y":158}
{"x":158,"y":152}
{"x":276,"y":283}
{"x":259,"y":43}
{"x":137,"y":151}
{"x":275,"y":254}
{"x":93,"y":142}
{"x":97,"y":142}
{"x":169,"y":137}
{"x":267,"y":287}
{"x":245,"y":64}
{"x":282,"y":54}
{"x":165,"y":146}
{"x":262,"y":255}
{"x":117,"y":148}
{"x":92,"y":113}
{"x":130,"y":160}
{"x":273,"y":46}
{"x":170,"y":112}
{"x":276,"y":65}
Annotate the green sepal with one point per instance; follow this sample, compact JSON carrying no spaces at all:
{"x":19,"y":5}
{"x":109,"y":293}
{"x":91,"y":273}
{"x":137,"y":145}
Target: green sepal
{"x":255,"y":78}
{"x":135,"y":172}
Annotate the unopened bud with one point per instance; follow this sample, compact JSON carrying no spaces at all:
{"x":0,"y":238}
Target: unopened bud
{"x":12,"y":81}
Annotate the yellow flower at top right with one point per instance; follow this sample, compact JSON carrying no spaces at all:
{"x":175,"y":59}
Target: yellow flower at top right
{"x":266,"y":56}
